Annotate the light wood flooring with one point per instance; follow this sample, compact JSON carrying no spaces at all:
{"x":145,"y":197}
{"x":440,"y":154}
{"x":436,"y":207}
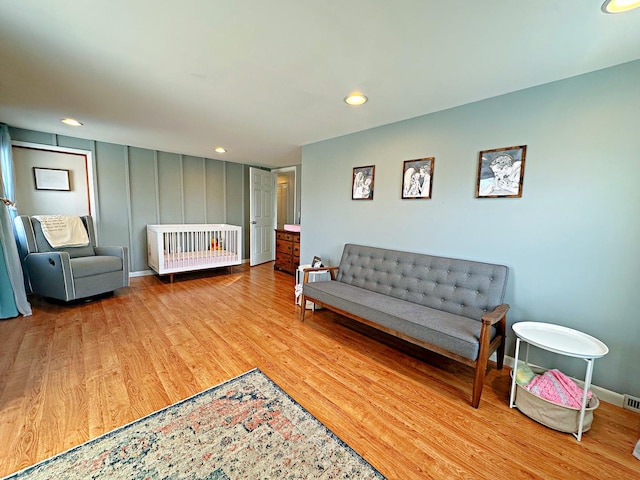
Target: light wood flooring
{"x":71,"y":373}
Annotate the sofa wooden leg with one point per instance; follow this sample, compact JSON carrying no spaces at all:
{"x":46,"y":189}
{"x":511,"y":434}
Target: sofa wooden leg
{"x":303,"y":304}
{"x":478,"y":383}
{"x":500,"y":355}
{"x":481,"y":365}
{"x":501,"y":326}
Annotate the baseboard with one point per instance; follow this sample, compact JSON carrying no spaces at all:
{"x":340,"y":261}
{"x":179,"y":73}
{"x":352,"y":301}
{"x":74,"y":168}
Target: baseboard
{"x":141,"y":273}
{"x":603,"y":394}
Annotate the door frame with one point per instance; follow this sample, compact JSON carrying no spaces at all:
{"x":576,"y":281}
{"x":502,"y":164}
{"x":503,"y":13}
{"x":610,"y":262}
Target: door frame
{"x":296,"y":210}
{"x":90,"y":172}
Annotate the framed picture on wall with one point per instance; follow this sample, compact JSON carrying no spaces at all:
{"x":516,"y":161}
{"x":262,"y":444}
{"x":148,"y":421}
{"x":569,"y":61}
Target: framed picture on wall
{"x":417,"y":178}
{"x":500,"y":172}
{"x":51,"y":179}
{"x":362,"y":185}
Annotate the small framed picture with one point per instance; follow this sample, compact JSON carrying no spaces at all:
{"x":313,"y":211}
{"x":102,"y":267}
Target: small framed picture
{"x":500,"y":172}
{"x":417,"y":178}
{"x":51,"y":179}
{"x":362,"y":186}
{"x":317,"y":262}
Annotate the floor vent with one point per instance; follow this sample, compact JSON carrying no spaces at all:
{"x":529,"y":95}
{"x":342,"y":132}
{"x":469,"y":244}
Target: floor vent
{"x":631,"y":403}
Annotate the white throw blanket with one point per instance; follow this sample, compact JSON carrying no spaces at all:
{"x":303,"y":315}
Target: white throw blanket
{"x":63,"y":230}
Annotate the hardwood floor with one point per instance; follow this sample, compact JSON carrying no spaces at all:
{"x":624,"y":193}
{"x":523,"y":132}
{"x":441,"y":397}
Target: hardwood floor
{"x":71,"y":373}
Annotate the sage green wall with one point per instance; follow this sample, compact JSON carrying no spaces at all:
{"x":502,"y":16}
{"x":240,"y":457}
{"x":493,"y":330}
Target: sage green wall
{"x":137,"y":186}
{"x":571,"y":241}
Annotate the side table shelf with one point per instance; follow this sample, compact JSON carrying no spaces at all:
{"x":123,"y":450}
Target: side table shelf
{"x":563,"y":341}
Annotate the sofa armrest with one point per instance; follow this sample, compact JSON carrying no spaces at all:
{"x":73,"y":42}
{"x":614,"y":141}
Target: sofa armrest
{"x":331,"y":270}
{"x":48,"y":262}
{"x":493,"y":317}
{"x":50,"y":274}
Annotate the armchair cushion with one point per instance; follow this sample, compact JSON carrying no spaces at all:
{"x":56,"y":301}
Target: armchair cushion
{"x":88,"y":266}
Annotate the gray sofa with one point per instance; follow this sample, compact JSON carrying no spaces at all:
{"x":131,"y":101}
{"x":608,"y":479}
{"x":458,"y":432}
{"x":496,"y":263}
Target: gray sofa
{"x":69,"y":273}
{"x":450,"y":306}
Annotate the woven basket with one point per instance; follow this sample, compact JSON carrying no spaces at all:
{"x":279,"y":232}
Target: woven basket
{"x":552,"y":415}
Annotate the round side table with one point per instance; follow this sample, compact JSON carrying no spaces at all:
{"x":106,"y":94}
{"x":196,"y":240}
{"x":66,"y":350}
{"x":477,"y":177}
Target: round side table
{"x":563,"y":341}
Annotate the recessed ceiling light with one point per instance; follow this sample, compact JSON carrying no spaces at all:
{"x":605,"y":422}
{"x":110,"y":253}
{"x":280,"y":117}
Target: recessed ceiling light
{"x":71,"y":121}
{"x":355,"y":98}
{"x":220,"y":150}
{"x":619,"y":6}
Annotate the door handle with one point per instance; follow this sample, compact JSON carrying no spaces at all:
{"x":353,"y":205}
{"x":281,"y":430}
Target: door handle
{"x":253,"y":222}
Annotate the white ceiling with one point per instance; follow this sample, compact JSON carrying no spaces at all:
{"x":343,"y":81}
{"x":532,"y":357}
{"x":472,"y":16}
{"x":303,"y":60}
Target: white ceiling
{"x":264,"y":77}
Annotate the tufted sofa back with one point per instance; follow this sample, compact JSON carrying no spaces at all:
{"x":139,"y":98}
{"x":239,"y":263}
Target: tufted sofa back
{"x":461,"y":287}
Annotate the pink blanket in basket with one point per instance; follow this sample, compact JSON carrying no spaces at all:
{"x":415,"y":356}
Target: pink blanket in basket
{"x":555,"y":386}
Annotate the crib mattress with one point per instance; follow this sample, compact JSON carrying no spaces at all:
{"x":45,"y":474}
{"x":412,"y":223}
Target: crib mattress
{"x":206,"y":257}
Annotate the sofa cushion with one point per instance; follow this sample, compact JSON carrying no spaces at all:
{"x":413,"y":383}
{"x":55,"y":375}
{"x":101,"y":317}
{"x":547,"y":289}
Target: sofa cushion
{"x":454,"y":333}
{"x":96,"y":265}
{"x":44,"y":246}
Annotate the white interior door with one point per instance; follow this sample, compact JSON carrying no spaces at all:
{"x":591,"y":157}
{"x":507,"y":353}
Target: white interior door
{"x":263,"y":215}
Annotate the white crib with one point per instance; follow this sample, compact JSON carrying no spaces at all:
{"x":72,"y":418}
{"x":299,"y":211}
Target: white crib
{"x":183,"y":248}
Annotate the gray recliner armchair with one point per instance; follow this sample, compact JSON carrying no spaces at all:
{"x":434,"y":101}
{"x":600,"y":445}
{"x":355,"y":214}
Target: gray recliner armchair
{"x":69,"y":273}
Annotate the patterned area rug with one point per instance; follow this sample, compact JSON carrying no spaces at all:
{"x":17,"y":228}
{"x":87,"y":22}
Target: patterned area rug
{"x":247,"y":427}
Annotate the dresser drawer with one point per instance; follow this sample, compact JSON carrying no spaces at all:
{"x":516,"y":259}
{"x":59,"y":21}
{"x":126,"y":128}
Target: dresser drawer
{"x":284,"y":247}
{"x":283,"y":261}
{"x":287,"y":237}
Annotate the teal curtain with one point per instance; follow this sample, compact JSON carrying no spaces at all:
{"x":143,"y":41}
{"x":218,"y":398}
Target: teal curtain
{"x":8,"y":307}
{"x":13,"y":297}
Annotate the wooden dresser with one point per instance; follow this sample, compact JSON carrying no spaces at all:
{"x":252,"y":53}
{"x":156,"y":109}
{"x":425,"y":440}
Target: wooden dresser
{"x":287,"y":251}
